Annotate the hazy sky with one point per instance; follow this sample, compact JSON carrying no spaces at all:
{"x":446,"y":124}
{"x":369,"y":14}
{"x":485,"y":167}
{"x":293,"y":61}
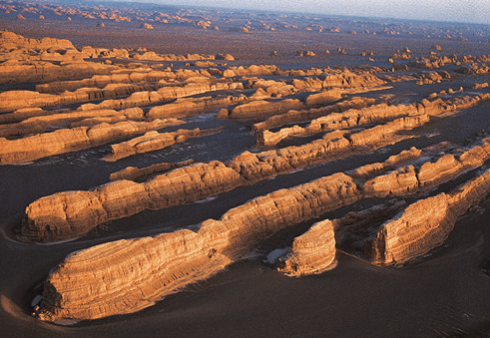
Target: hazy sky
{"x":477,"y":11}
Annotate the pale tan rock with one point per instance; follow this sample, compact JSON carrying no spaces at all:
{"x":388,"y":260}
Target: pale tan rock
{"x":260,"y":110}
{"x":426,"y":223}
{"x":134,"y":275}
{"x":68,"y":140}
{"x":189,"y":106}
{"x":312,"y":253}
{"x":293,"y":116}
{"x":335,"y":121}
{"x":122,"y":199}
{"x":146,"y":270}
{"x":153,"y":140}
{"x":143,"y":174}
{"x":42,"y":123}
{"x":167,"y":190}
{"x":11,"y":40}
{"x":14,"y":71}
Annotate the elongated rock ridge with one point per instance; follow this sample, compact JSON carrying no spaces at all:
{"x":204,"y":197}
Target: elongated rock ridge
{"x":129,"y":275}
{"x":68,"y":140}
{"x":143,"y":174}
{"x":425,"y":224}
{"x":54,"y":218}
{"x":152,"y":141}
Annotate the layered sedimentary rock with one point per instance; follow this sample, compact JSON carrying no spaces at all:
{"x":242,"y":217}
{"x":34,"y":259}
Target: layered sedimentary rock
{"x":218,"y":243}
{"x":100,"y":81}
{"x":349,"y":79}
{"x":424,"y":176}
{"x":129,"y":275}
{"x":142,"y":174}
{"x":132,"y":275}
{"x":189,"y":106}
{"x":16,"y":99}
{"x":307,"y":115}
{"x":15,"y":71}
{"x":10,"y":40}
{"x":43,"y":224}
{"x":260,"y":110}
{"x":314,"y":251}
{"x":68,"y":140}
{"x":165,"y":94}
{"x":426,"y":223}
{"x":48,"y":120}
{"x":311,"y":253}
{"x":333,"y":121}
{"x":74,"y":213}
{"x":153,"y":140}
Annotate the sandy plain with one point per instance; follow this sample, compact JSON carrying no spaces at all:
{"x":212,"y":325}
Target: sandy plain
{"x":442,"y":293}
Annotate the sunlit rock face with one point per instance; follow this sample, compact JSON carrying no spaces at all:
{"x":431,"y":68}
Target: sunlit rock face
{"x":315,"y":155}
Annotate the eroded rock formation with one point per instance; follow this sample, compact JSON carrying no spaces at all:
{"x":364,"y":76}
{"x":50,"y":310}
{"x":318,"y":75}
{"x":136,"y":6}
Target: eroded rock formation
{"x":42,"y":224}
{"x":311,"y":253}
{"x":153,"y":140}
{"x":130,"y":275}
{"x":426,"y":223}
{"x":142,"y":174}
{"x":68,"y":140}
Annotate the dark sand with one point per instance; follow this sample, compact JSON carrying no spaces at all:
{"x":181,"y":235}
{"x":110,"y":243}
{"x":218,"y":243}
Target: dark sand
{"x":445,"y":293}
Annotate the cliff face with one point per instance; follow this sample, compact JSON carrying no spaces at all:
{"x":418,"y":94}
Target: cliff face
{"x":191,"y":184}
{"x":17,"y":99}
{"x":71,"y":214}
{"x":46,"y":120}
{"x":311,"y":253}
{"x":10,"y":40}
{"x":152,"y":141}
{"x":306,"y":115}
{"x":149,"y":268}
{"x":142,"y":174}
{"x":67,"y":140}
{"x":260,"y":110}
{"x":426,"y":223}
{"x":314,"y":251}
{"x":128,"y":275}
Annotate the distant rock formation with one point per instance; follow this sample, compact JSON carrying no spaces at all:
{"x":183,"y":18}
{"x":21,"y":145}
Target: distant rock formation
{"x":10,"y":40}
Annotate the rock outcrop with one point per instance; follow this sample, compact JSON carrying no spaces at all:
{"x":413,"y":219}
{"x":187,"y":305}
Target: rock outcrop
{"x":44,"y":223}
{"x":153,"y":140}
{"x":314,"y":252}
{"x":143,"y":174}
{"x":307,"y":115}
{"x":74,"y":213}
{"x":425,"y":224}
{"x":38,"y":121}
{"x":68,"y":140}
{"x":129,"y":275}
{"x":311,"y":253}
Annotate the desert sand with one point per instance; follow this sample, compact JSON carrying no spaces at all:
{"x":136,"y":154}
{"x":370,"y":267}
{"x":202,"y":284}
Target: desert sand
{"x":200,"y":173}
